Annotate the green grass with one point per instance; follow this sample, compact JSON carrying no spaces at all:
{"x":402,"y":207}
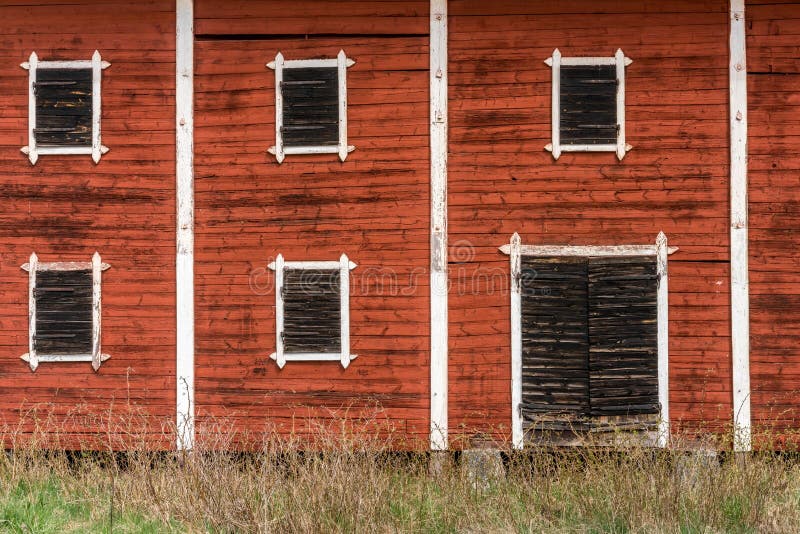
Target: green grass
{"x":349,"y":488}
{"x":45,"y":506}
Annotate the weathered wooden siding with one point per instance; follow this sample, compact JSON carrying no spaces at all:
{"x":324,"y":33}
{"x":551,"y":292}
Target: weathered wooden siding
{"x":373,"y":207}
{"x":502,"y":180}
{"x":773,"y":64}
{"x":65,"y":208}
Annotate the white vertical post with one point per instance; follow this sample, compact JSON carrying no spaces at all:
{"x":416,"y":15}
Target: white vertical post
{"x":740,"y":303}
{"x":278,"y":66}
{"x":184,"y":261}
{"x":621,"y":61}
{"x":439,"y":282}
{"x":97,"y":312}
{"x":516,"y":342}
{"x":278,"y":266}
{"x":33,"y":360}
{"x":555,"y":104}
{"x":344,"y":306}
{"x":341,"y":63}
{"x":33,"y":61}
{"x":97,"y":96}
{"x":662,"y":298}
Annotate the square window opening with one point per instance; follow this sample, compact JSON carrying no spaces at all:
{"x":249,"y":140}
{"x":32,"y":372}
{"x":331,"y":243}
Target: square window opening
{"x":64,"y":300}
{"x":588,"y":104}
{"x":64,"y":107}
{"x":312,"y":310}
{"x":311,"y":106}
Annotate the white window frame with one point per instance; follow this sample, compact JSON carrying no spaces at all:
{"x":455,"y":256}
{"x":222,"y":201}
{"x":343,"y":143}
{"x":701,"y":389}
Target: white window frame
{"x":555,"y":62}
{"x":97,"y":65}
{"x":660,"y":250}
{"x":344,"y":266}
{"x":278,"y":65}
{"x":97,"y":267}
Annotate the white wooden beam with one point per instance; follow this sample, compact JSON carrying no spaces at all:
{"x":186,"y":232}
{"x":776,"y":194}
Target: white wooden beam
{"x":517,"y":437}
{"x":32,"y":359}
{"x":30,"y":150}
{"x":184,"y":260}
{"x":555,"y":103}
{"x":662,"y":311}
{"x":740,"y":300}
{"x":278,"y":265}
{"x":97,"y":309}
{"x":344,"y":309}
{"x":439,"y":283}
{"x":580,"y":251}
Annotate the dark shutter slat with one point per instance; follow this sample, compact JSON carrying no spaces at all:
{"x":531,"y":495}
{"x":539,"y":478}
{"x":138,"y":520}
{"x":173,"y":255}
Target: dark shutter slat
{"x":63,"y":107}
{"x":588,"y":104}
{"x":312,"y":311}
{"x":623,"y":331}
{"x":310,"y":106}
{"x":555,"y":370}
{"x":63,"y":312}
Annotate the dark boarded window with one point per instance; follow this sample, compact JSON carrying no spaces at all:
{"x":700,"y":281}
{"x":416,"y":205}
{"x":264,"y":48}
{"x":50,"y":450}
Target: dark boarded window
{"x":63,"y":107}
{"x":311,"y":311}
{"x":310,"y":106}
{"x":588,"y":105}
{"x":63,"y":312}
{"x":589,"y":338}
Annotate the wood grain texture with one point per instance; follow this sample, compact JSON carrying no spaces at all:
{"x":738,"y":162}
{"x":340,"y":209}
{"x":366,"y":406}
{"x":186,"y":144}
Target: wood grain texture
{"x":503,"y":181}
{"x":773,"y":195}
{"x":374,"y":207}
{"x":65,"y":208}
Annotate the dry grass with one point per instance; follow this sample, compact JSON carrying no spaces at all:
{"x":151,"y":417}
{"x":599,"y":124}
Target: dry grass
{"x":351,"y":482}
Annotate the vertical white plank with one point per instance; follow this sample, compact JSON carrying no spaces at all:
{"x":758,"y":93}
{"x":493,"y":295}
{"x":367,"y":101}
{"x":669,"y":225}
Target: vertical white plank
{"x":97,"y":73}
{"x":439,"y":282}
{"x":184,"y":264}
{"x":620,"y":63}
{"x":33,"y":360}
{"x":33,"y":155}
{"x":280,"y":355}
{"x":344,"y":304}
{"x":341,"y":63}
{"x":279,"y":153}
{"x":740,"y":305}
{"x":555,"y":113}
{"x":516,"y":342}
{"x":97,"y":312}
{"x":662,"y":253}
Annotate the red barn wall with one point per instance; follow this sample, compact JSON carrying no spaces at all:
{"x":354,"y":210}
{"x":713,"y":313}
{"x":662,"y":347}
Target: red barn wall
{"x":773,"y":64}
{"x":65,"y":208}
{"x":374,"y":207}
{"x":675,"y":179}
